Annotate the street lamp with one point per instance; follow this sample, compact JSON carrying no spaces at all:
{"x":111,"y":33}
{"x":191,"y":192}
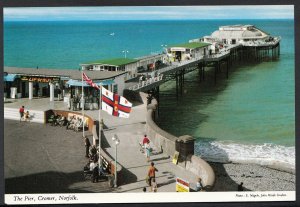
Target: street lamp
{"x":117,"y":142}
{"x":125,"y":51}
{"x":164,"y":47}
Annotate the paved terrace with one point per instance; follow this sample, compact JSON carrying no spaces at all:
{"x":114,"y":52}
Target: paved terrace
{"x":69,"y":155}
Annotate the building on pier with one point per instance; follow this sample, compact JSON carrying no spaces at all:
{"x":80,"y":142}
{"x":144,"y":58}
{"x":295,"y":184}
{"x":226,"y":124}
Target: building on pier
{"x":246,"y":35}
{"x":187,"y":51}
{"x":117,"y":64}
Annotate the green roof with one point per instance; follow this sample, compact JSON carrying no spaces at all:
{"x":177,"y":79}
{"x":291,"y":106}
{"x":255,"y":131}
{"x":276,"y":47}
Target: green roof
{"x":192,"y":45}
{"x":114,"y":62}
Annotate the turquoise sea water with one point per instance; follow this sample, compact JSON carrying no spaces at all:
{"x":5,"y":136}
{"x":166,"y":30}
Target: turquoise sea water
{"x":248,"y":118}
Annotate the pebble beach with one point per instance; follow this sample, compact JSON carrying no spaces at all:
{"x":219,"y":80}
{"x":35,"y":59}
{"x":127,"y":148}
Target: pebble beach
{"x":254,"y":178}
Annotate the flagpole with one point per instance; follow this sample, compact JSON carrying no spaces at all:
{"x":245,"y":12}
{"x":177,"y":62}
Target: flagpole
{"x":100,"y":129}
{"x":82,"y":96}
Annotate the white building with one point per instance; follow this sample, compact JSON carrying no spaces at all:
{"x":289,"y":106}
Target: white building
{"x":234,"y":34}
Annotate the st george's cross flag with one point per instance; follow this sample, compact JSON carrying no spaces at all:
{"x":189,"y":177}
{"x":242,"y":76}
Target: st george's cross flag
{"x":89,"y":81}
{"x":114,"y":104}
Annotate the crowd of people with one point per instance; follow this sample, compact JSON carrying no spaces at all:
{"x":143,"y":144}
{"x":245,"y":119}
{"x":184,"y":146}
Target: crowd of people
{"x":70,"y":123}
{"x":92,"y":166}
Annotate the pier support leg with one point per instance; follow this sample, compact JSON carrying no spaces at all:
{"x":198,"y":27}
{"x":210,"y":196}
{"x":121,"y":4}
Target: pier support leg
{"x":227,"y":69}
{"x":215,"y":74}
{"x":176,"y":76}
{"x":203,"y":72}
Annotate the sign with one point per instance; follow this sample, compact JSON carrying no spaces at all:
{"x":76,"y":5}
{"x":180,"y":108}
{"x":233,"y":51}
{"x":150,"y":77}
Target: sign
{"x":175,"y":157}
{"x":39,"y":79}
{"x":182,"y":185}
{"x":181,"y":49}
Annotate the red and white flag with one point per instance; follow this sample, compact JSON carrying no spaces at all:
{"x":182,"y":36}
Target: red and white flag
{"x":114,"y":104}
{"x":89,"y":81}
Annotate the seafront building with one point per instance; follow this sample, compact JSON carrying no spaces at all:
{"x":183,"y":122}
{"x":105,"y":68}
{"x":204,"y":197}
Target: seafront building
{"x":222,"y":47}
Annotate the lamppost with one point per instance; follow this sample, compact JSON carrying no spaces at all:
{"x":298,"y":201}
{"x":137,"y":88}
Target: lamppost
{"x":125,"y":51}
{"x":117,"y":142}
{"x":164,"y":47}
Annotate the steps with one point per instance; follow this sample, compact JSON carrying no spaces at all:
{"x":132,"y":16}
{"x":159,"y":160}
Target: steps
{"x":35,"y":116}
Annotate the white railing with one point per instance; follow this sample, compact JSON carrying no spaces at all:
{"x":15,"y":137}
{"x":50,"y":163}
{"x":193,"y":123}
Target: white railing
{"x":146,"y":82}
{"x":262,"y":42}
{"x":218,"y":55}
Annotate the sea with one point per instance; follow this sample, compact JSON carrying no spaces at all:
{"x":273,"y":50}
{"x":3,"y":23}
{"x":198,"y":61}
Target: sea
{"x":247,"y":118}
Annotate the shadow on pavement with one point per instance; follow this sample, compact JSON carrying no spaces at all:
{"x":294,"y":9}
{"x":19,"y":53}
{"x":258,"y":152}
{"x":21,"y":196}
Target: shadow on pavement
{"x":53,"y":182}
{"x":162,"y":158}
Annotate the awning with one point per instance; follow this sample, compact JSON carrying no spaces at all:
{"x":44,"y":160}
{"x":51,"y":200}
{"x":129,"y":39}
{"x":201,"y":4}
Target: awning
{"x":10,"y":77}
{"x":72,"y":82}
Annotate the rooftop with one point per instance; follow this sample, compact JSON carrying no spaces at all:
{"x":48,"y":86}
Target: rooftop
{"x":112,"y":62}
{"x":192,"y":45}
{"x":72,"y":74}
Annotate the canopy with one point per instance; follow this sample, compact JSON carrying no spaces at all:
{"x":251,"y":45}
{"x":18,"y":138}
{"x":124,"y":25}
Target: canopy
{"x":10,"y":77}
{"x":72,"y":82}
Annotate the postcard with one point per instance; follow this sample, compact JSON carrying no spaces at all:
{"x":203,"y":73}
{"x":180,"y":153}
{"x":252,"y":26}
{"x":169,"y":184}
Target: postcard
{"x":175,"y":103}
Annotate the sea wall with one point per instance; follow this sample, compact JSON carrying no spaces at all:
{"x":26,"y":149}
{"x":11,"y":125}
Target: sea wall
{"x":167,"y":143}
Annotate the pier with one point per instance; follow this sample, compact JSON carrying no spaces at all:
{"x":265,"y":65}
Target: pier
{"x":249,"y":52}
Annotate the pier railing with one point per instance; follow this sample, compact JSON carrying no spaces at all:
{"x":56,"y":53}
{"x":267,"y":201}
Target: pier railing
{"x":257,"y":43}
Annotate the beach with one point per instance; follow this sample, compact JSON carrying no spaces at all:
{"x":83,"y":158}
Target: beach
{"x":254,"y":178}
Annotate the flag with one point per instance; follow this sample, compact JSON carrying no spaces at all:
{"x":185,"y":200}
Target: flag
{"x":114,"y":104}
{"x":89,"y":81}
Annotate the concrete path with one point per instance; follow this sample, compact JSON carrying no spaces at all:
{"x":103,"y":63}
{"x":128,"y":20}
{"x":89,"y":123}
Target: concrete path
{"x":130,"y":132}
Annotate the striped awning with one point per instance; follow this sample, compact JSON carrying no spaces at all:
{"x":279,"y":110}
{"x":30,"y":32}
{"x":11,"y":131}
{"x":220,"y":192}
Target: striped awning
{"x":72,"y":82}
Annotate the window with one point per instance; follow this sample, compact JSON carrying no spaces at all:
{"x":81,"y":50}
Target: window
{"x":115,"y":88}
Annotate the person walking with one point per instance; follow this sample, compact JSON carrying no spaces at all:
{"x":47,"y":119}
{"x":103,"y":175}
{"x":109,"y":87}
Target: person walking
{"x":21,"y":111}
{"x":87,"y":146}
{"x":145,"y":140}
{"x":147,"y":150}
{"x":151,"y":173}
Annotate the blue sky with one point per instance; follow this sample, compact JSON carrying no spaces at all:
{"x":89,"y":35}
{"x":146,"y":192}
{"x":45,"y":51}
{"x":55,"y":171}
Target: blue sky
{"x":149,"y":13}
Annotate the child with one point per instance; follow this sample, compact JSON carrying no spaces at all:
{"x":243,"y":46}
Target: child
{"x":27,"y":116}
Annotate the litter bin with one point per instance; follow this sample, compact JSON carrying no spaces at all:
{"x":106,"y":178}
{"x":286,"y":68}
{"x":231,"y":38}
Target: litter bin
{"x":185,"y":146}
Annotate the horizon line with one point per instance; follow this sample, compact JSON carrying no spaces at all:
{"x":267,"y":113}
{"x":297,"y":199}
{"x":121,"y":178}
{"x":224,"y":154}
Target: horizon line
{"x":61,"y":20}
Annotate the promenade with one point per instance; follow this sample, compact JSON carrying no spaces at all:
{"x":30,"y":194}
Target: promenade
{"x":130,"y":132}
